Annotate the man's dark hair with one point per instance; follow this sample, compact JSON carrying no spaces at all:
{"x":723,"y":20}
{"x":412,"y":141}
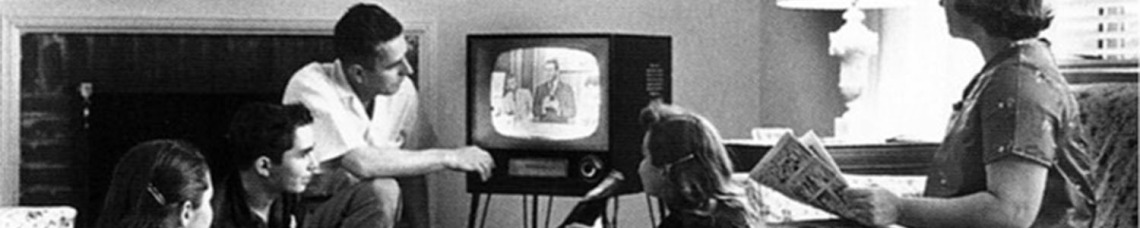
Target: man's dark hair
{"x":362,"y":28}
{"x":557,"y":66}
{"x":264,"y":129}
{"x":1013,"y":19}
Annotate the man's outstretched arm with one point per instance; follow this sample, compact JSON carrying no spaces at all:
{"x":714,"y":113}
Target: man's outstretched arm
{"x":369,"y":162}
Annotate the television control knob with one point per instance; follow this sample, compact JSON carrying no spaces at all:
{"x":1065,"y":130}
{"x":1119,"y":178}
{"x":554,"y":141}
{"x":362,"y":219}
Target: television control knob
{"x":591,"y":168}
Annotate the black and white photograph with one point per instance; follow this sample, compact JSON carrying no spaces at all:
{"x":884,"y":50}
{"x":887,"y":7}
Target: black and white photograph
{"x":569,"y":114}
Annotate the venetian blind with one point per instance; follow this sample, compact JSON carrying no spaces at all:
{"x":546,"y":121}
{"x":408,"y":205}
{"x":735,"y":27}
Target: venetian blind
{"x":1096,"y":38}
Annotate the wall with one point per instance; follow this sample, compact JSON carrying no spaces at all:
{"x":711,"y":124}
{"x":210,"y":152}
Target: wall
{"x":923,"y":71}
{"x":742,"y":63}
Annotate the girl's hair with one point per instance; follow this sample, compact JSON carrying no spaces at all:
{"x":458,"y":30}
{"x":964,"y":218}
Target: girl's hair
{"x":152,"y":182}
{"x":697,"y":168}
{"x":1013,"y":19}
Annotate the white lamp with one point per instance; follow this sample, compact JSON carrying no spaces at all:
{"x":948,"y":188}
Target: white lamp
{"x":855,"y":44}
{"x":840,"y":4}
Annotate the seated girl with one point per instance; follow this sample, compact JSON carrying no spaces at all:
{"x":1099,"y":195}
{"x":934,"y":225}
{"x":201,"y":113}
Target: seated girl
{"x":687,"y":166}
{"x":159,"y":184}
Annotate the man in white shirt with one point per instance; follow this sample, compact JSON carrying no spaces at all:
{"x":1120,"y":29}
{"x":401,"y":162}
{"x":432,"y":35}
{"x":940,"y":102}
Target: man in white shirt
{"x":363,"y":109}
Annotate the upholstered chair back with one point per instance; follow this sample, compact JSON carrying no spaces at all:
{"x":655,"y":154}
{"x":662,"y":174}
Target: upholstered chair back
{"x":1108,"y":111}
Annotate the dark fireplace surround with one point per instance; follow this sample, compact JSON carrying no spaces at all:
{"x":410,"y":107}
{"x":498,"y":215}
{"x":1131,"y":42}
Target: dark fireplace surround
{"x":91,"y":89}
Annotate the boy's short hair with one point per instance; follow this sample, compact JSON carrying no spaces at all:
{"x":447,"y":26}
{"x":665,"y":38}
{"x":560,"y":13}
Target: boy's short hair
{"x":264,"y":129}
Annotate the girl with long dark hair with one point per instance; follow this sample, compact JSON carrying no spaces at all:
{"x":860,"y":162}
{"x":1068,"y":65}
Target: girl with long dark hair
{"x":159,"y":184}
{"x":687,"y":166}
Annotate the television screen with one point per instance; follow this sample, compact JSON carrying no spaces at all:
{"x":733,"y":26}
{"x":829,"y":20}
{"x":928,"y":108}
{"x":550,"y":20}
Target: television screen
{"x":558,"y":112}
{"x":560,"y":102}
{"x":539,"y":95}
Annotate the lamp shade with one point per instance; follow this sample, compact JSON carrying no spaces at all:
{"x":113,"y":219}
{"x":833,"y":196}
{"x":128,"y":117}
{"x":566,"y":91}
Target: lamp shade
{"x":841,"y":4}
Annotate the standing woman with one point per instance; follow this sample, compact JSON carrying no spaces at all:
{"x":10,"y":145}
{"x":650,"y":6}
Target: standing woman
{"x":687,"y":166}
{"x":159,"y":184}
{"x":1013,"y":155}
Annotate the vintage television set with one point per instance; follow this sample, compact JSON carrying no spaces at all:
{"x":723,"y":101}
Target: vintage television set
{"x":559,"y":112}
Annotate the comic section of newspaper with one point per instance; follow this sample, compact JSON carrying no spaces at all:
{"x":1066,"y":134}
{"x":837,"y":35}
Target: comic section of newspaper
{"x":802,"y":170}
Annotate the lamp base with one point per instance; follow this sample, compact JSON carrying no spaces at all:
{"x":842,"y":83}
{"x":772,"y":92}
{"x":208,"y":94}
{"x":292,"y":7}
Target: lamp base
{"x":850,"y":130}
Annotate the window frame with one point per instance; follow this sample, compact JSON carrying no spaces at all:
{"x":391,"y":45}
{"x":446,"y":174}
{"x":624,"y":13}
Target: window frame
{"x":1112,"y":20}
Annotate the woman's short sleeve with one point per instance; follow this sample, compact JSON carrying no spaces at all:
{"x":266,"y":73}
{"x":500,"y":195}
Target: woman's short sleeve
{"x":1020,"y":109}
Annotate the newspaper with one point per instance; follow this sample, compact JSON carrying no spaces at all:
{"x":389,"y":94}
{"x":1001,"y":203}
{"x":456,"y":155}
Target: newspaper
{"x":802,"y":170}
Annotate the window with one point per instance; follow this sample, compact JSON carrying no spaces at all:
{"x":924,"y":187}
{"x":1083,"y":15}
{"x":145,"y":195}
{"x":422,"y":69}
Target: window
{"x":1096,"y":40}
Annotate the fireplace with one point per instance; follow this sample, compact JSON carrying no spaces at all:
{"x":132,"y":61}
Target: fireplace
{"x":143,"y":87}
{"x":88,"y":89}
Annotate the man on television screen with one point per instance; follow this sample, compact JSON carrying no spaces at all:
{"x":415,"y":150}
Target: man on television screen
{"x":554,"y":101}
{"x":363,"y":110}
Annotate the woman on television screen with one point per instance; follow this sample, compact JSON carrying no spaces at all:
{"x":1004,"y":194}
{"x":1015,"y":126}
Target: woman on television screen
{"x":515,"y":101}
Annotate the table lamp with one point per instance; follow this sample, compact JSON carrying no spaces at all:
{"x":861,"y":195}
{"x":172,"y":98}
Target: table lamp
{"x":855,"y":45}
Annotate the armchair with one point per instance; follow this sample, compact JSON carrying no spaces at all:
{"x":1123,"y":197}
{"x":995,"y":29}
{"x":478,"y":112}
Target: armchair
{"x":1108,"y":111}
